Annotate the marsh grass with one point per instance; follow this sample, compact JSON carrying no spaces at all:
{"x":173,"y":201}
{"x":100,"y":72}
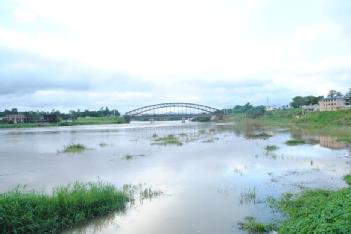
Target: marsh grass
{"x":310,"y":211}
{"x":251,"y":225}
{"x":74,"y":148}
{"x":167,"y":140}
{"x":261,"y":135}
{"x":141,"y":192}
{"x":24,"y":211}
{"x":248,"y":196}
{"x":295,"y":142}
{"x":148,"y":193}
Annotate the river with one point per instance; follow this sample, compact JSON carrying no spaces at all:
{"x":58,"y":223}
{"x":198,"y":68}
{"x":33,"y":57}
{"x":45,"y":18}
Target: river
{"x":218,"y":176}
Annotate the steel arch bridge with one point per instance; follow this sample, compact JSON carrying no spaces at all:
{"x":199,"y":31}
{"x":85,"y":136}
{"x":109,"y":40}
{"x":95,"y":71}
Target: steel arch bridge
{"x":176,"y":110}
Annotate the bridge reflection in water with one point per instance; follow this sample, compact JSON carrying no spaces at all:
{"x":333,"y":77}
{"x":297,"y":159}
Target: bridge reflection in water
{"x":173,"y":111}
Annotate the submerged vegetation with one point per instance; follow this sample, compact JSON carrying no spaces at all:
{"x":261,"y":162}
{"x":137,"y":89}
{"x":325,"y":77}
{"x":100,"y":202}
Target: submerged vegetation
{"x":36,"y":212}
{"x":262,"y":135}
{"x":102,"y":144}
{"x":295,"y":142}
{"x":167,"y":140}
{"x":74,"y":148}
{"x":271,"y":147}
{"x":132,"y":156}
{"x":248,"y":196}
{"x":311,"y":211}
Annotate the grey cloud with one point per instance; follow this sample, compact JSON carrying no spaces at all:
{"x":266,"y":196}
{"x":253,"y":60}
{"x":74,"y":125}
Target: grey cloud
{"x":24,"y":73}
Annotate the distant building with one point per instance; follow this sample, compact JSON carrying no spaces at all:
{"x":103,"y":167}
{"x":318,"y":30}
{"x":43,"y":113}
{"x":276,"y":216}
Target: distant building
{"x":15,"y":118}
{"x":310,"y":108}
{"x":332,"y":104}
{"x":271,"y":108}
{"x":348,"y":98}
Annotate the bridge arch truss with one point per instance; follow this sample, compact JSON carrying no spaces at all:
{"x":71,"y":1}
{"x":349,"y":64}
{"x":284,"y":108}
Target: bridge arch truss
{"x":177,"y":109}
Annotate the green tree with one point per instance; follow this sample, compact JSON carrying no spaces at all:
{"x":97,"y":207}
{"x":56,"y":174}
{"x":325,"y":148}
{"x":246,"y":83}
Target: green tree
{"x":334,"y":93}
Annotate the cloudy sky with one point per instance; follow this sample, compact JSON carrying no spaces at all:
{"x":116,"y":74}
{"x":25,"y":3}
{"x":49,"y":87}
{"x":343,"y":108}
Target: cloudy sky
{"x":70,"y":54}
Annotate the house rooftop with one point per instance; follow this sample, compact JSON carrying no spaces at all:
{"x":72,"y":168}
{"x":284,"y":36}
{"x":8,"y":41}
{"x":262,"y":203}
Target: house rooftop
{"x":333,"y":98}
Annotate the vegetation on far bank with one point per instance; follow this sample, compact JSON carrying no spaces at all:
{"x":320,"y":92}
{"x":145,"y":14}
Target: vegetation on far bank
{"x":36,"y":212}
{"x":74,"y":122}
{"x":332,"y":123}
{"x":311,"y":211}
{"x":295,"y":116}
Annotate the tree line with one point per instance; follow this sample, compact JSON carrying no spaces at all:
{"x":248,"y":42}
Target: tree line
{"x":248,"y":109}
{"x":56,"y":115}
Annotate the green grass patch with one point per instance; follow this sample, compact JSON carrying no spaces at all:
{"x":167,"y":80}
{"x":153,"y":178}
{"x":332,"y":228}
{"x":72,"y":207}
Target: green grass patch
{"x":311,"y":211}
{"x":74,"y":148}
{"x":167,"y":140}
{"x":347,"y":179}
{"x":326,"y":118}
{"x":36,"y":212}
{"x":317,"y":211}
{"x":295,"y":142}
{"x":271,"y":147}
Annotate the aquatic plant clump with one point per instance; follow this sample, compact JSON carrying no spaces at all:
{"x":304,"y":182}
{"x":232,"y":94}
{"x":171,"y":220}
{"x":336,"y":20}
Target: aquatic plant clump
{"x":252,"y":226}
{"x":167,"y":140}
{"x":295,"y":142}
{"x":262,"y":135}
{"x":248,"y":196}
{"x":36,"y":212}
{"x":132,"y":156}
{"x":271,"y":147}
{"x":74,"y":148}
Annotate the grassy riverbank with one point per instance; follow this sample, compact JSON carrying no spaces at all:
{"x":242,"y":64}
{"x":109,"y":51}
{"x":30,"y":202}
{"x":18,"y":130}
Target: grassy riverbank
{"x":35,"y":212}
{"x":336,"y":123}
{"x":78,"y":121}
{"x":296,"y":116}
{"x":312,"y":211}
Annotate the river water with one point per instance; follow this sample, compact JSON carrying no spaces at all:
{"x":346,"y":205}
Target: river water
{"x":218,"y":176}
